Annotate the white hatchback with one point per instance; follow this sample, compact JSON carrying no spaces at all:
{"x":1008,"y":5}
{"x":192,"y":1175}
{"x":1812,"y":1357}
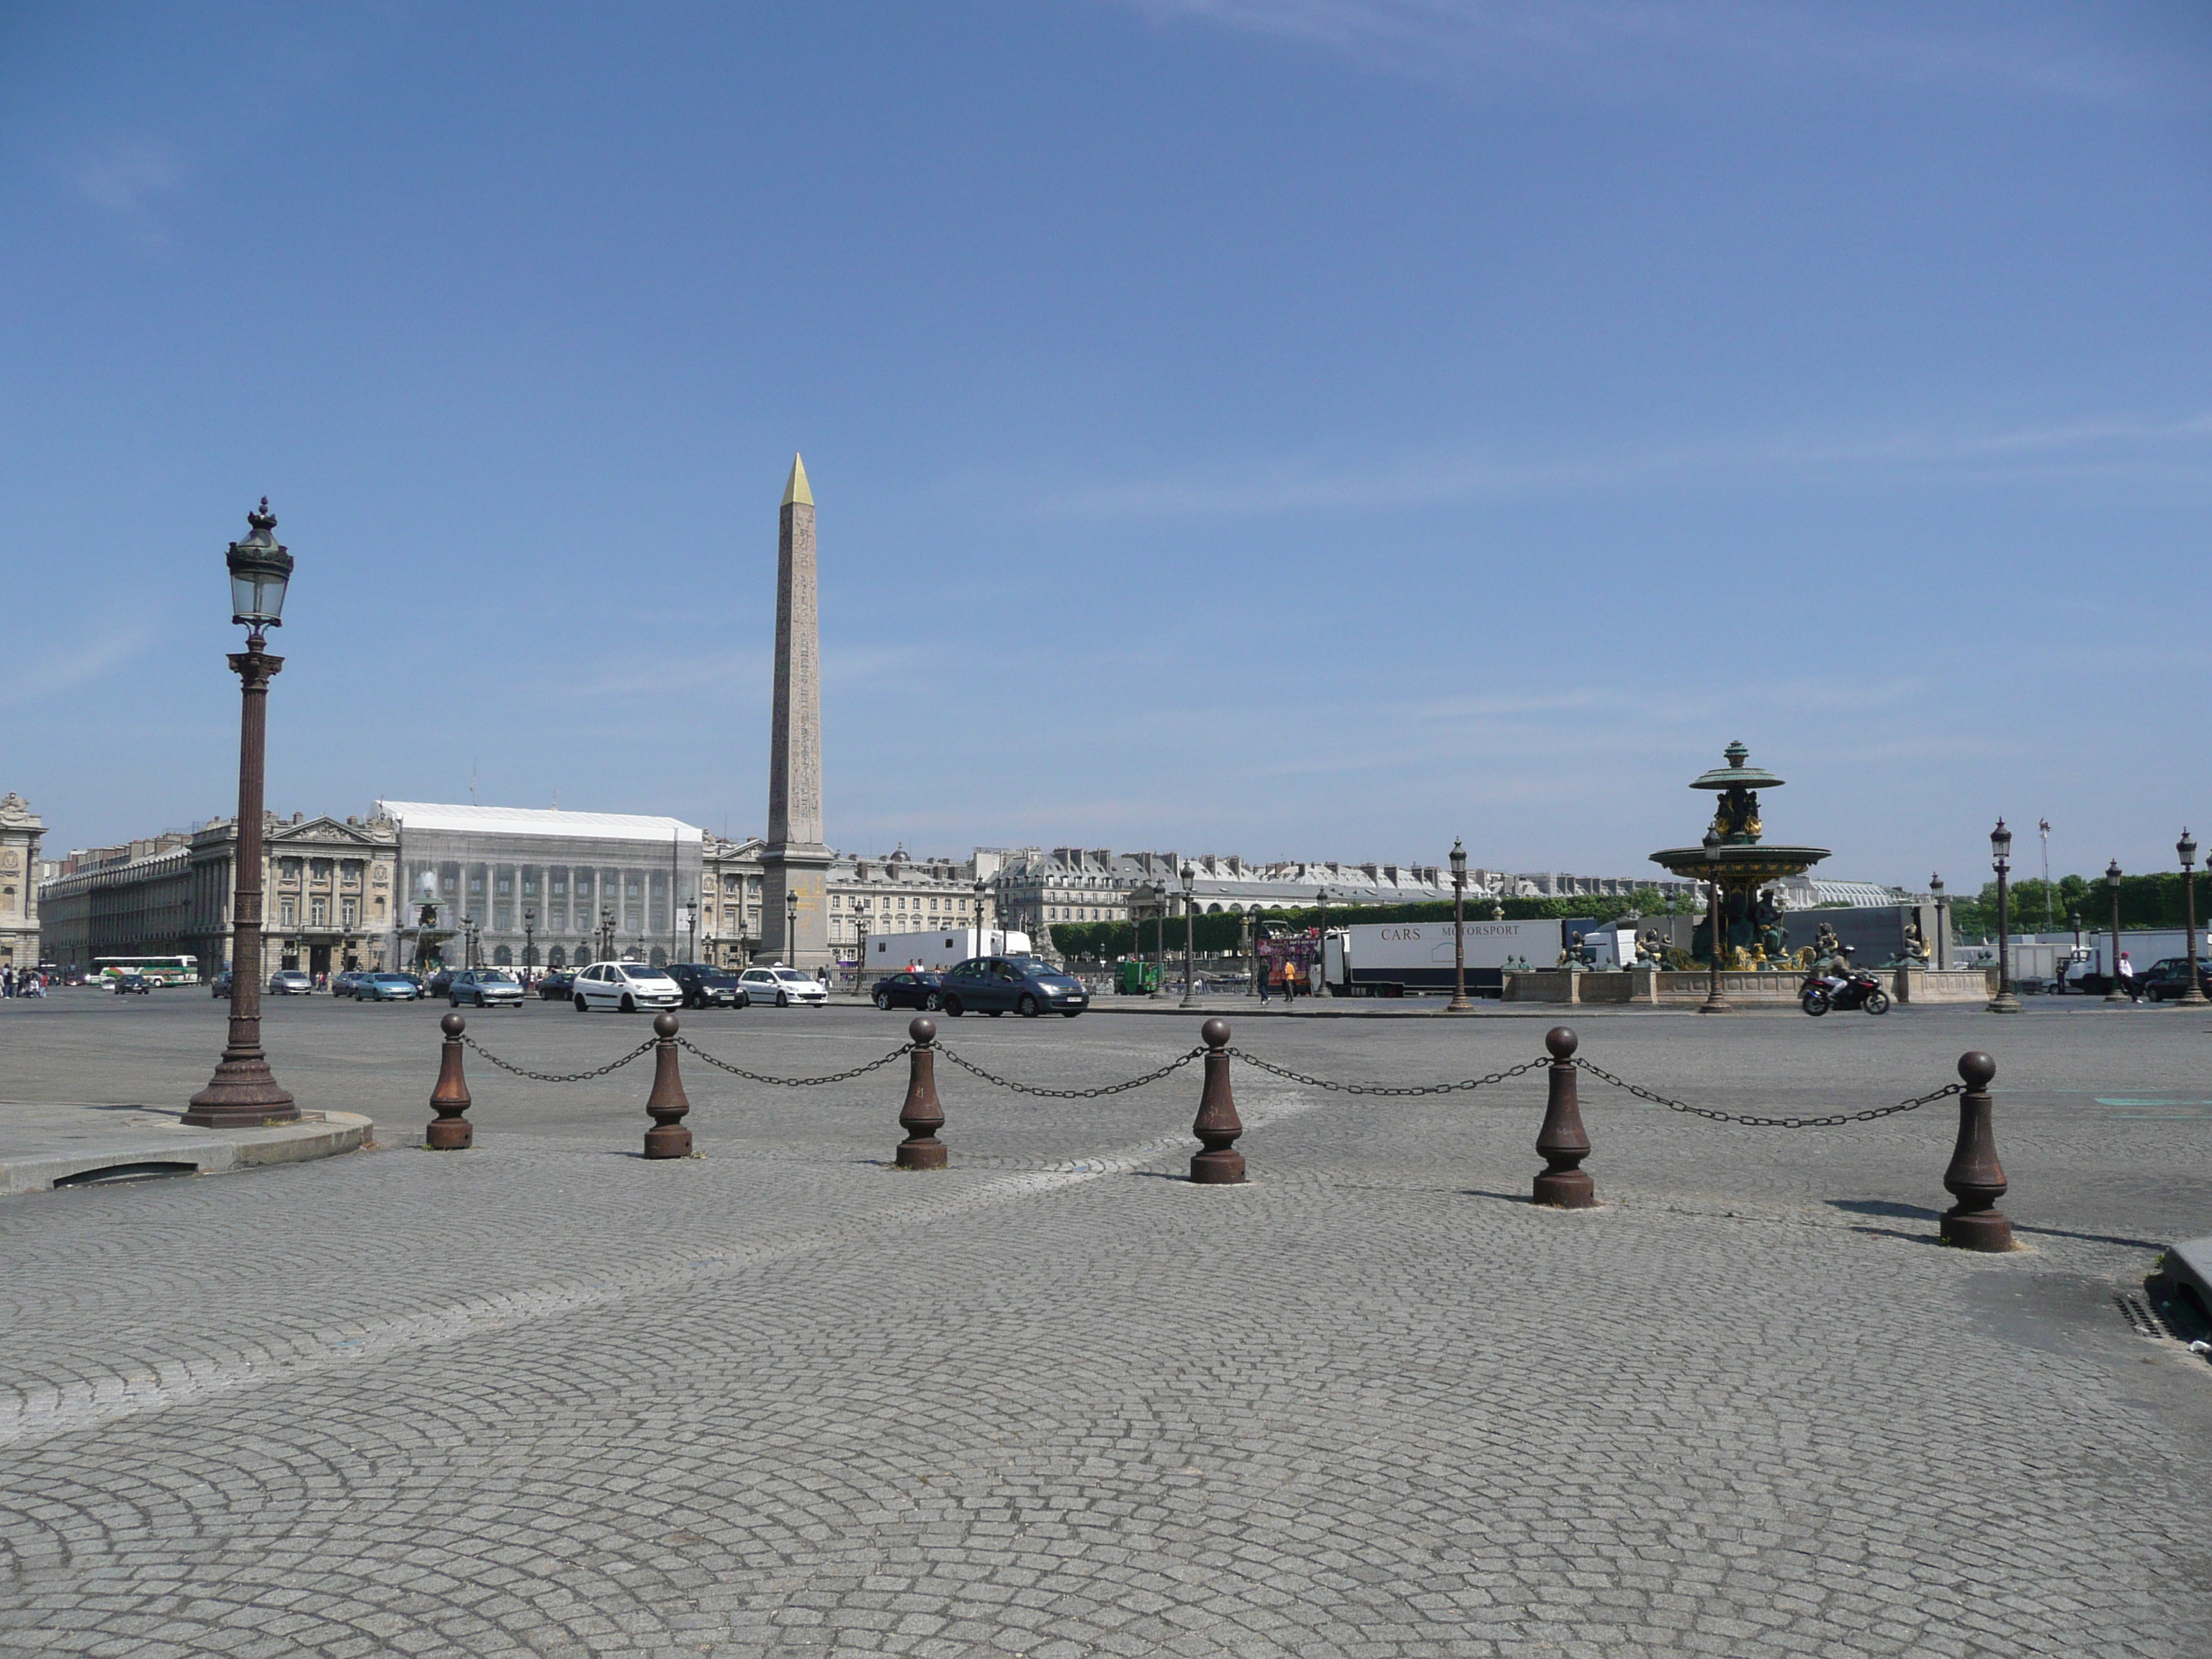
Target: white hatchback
{"x":783,"y":987}
{"x":628,"y":986}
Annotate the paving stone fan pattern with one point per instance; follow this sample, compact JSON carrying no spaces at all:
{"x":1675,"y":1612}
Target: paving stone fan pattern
{"x":545,"y":1397}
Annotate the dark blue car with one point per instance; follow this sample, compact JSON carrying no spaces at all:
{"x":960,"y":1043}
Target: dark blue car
{"x":1023,"y":984}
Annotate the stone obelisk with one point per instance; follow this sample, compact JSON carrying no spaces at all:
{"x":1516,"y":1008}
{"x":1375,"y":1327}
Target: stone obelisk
{"x":795,"y":864}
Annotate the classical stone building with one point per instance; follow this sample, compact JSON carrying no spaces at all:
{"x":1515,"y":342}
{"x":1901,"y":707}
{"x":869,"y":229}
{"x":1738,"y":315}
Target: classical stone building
{"x":901,"y":894}
{"x":539,"y":883}
{"x":327,"y":892}
{"x":20,"y":831}
{"x":131,"y":899}
{"x":327,"y":887}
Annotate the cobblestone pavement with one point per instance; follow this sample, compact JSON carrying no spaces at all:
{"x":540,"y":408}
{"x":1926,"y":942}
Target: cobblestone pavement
{"x":545,"y":1397}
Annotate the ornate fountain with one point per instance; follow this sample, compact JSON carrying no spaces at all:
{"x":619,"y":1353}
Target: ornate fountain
{"x":1735,"y":861}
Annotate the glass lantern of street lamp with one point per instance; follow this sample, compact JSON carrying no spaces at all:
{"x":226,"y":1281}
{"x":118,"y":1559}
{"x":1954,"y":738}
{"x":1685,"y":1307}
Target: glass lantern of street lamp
{"x":2113,"y":875}
{"x":2000,"y":846}
{"x":260,"y":570}
{"x":2185,"y":849}
{"x":1458,"y":863}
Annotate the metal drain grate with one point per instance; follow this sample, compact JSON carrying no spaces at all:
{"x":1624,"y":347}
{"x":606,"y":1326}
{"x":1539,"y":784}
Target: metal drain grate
{"x":2146,"y":1319}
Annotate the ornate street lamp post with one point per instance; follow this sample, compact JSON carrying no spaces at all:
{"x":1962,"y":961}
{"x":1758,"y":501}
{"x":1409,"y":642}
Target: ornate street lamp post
{"x":691,"y":923}
{"x":2001,"y":860}
{"x":1159,"y":895}
{"x":1939,"y":955}
{"x":2112,"y":881}
{"x":983,"y":947}
{"x":790,"y":929}
{"x":529,"y":942}
{"x":244,"y":1092}
{"x":2186,"y":847}
{"x":1459,"y":1004}
{"x":1190,"y":937}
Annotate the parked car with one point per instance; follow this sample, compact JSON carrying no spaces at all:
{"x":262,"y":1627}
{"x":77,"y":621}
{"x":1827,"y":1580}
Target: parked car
{"x":440,"y":982}
{"x":219,"y":986}
{"x":342,"y":984}
{"x":913,"y":990}
{"x":554,"y":987}
{"x":784,"y":987}
{"x":706,"y":986}
{"x":627,"y":986}
{"x":2169,"y":978}
{"x":386,"y":988}
{"x":484,"y":987}
{"x":133,"y":985}
{"x":290,"y":982}
{"x":992,"y":985}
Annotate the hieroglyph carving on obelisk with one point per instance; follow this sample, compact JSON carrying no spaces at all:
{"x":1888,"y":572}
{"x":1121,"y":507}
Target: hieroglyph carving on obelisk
{"x":796,"y":862}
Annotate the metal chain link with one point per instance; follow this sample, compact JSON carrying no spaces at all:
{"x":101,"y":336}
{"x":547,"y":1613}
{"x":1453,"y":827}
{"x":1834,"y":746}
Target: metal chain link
{"x":552,"y":1077}
{"x":1175,"y":1065}
{"x":794,"y":1082}
{"x":1829,"y":1121}
{"x":1385,"y":1089}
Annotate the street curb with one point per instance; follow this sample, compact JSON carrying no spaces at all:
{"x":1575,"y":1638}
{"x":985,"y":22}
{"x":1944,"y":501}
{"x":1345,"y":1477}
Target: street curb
{"x":200,"y":1151}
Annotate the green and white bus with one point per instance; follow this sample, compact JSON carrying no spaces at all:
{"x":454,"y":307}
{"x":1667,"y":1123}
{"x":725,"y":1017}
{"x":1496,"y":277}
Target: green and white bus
{"x":163,"y":970}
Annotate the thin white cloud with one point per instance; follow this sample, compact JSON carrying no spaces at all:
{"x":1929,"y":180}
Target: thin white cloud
{"x":59,"y":669}
{"x":2113,"y":447}
{"x":1639,"y":45}
{"x":123,"y":175}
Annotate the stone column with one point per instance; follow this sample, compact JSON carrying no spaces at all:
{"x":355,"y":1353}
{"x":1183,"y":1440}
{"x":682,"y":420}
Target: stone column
{"x":796,"y":861}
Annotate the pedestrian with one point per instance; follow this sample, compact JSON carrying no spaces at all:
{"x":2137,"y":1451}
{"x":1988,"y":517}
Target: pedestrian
{"x":2127,"y":977}
{"x":1264,"y":973}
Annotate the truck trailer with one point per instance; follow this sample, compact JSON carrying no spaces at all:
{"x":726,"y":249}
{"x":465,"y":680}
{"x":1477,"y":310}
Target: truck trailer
{"x":888,"y":953}
{"x":1395,"y":959}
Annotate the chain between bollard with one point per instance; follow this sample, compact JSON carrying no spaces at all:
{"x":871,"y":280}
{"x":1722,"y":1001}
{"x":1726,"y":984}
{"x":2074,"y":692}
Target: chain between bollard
{"x":1104,"y":1088}
{"x":643,"y":1048}
{"x":1388,"y":1089}
{"x":903,"y":1049}
{"x":1829,"y":1121}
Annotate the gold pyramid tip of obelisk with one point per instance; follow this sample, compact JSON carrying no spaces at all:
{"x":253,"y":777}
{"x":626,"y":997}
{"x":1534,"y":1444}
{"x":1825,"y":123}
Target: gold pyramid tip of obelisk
{"x":796,"y":493}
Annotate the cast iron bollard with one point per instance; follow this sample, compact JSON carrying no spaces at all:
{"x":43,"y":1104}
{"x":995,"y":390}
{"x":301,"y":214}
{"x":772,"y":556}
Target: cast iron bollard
{"x":666,"y":1104}
{"x":921,"y":1117}
{"x":449,"y":1131}
{"x":1216,"y":1125}
{"x":1975,"y":1178}
{"x":1564,"y":1185}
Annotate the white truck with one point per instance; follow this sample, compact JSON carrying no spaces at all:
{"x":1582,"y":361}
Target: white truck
{"x":1392,"y":958}
{"x":889,"y":953}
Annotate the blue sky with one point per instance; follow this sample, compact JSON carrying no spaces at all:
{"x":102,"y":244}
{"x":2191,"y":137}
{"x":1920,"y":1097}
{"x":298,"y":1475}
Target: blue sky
{"x":1301,"y":428}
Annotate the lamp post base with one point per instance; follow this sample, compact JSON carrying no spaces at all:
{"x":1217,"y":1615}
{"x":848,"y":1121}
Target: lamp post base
{"x":2194,"y":998}
{"x":2003,"y":1003}
{"x":1459,"y":1005}
{"x":243,"y":1094}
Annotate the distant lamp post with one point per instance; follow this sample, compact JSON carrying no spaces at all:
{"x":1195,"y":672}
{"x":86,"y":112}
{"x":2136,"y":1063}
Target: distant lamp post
{"x":983,"y":945}
{"x":468,"y":941}
{"x":1190,"y":937}
{"x":1939,"y":953}
{"x":1459,"y":1004}
{"x":691,"y":922}
{"x":244,"y":1093}
{"x":529,"y":940}
{"x":2001,"y":861}
{"x":790,"y":929}
{"x":2112,"y":881}
{"x":2186,"y":847}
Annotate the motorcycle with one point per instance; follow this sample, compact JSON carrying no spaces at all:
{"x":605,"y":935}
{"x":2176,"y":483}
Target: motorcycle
{"x":1856,"y":989}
